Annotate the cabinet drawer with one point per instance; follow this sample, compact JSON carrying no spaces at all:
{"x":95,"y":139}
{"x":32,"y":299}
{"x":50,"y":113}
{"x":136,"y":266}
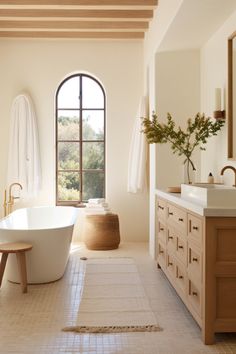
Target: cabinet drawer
{"x":194,"y":263}
{"x":181,"y":277}
{"x":177,"y":217}
{"x":171,"y":239}
{"x":195,"y":229}
{"x":181,"y":250}
{"x":195,"y":296}
{"x":161,"y":232}
{"x":170,"y":264}
{"x":161,"y":208}
{"x":161,"y":255}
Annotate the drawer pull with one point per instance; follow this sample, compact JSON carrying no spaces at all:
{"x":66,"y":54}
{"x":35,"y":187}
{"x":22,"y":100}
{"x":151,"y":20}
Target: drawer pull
{"x":160,"y":252}
{"x":160,"y":207}
{"x":181,"y":277}
{"x":170,"y":213}
{"x":181,"y":219}
{"x":195,"y":228}
{"x":194,"y":293}
{"x":161,"y":229}
{"x":195,"y":259}
{"x":181,"y":247}
{"x":170,"y":263}
{"x":170,"y":237}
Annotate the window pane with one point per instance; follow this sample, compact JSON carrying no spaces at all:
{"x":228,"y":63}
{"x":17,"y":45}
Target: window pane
{"x":68,"y":125}
{"x":93,"y":185}
{"x":68,"y":156}
{"x":93,"y":125}
{"x":92,"y":94}
{"x":93,"y":156}
{"x":68,"y":95}
{"x":80,"y":140}
{"x":68,"y":186}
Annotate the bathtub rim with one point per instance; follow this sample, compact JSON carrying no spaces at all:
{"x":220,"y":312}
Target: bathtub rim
{"x":42,"y":229}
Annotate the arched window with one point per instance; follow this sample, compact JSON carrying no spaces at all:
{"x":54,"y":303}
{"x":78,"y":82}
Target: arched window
{"x":80,"y":140}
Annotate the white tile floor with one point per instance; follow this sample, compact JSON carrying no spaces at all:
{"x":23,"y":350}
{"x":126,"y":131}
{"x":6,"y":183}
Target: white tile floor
{"x":32,"y":322}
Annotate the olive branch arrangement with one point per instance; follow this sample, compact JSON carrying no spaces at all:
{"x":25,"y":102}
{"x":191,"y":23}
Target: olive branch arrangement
{"x":182,"y":142}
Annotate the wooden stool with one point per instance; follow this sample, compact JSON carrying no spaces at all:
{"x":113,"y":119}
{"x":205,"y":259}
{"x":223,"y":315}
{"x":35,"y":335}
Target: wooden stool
{"x":101,"y":232}
{"x":19,"y":249}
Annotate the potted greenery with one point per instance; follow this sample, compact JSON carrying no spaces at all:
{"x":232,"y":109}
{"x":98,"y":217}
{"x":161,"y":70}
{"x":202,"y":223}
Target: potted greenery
{"x":182,"y":142}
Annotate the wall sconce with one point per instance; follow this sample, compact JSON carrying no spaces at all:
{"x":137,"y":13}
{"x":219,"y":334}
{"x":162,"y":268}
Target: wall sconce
{"x":218,"y":112}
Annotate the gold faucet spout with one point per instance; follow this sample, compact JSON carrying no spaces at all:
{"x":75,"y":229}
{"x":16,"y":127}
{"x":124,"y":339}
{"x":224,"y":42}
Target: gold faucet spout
{"x":11,"y":197}
{"x":229,"y":168}
{"x":12,"y":185}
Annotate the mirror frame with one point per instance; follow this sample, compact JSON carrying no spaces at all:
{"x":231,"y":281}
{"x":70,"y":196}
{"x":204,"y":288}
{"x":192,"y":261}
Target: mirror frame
{"x":230,"y":95}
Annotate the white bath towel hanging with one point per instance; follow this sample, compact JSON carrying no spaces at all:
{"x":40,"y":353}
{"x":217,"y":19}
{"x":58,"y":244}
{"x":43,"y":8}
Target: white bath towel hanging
{"x":24,"y":158}
{"x":138,"y":152}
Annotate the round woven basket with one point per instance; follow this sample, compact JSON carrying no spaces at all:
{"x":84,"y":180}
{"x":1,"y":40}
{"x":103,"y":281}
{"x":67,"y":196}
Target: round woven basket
{"x":101,"y":232}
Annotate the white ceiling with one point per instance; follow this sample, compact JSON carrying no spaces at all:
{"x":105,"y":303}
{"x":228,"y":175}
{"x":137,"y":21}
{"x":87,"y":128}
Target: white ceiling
{"x":195,"y":22}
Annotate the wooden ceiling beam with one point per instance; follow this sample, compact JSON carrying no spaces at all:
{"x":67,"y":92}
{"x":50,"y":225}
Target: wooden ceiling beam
{"x":79,"y":35}
{"x":81,"y":2}
{"x":89,"y":14}
{"x":88,"y":19}
{"x":74,"y":24}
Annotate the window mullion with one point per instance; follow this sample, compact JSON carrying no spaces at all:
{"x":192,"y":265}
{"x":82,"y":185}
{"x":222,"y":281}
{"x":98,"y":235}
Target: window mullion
{"x":81,"y":137}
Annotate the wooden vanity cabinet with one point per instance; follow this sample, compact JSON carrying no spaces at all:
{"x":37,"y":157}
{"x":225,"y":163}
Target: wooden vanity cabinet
{"x":198,"y":255}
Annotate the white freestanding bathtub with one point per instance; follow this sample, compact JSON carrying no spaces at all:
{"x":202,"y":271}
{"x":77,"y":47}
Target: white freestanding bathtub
{"x":49,"y":230}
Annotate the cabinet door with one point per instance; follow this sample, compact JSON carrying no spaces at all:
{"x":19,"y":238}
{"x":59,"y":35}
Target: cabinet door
{"x":161,"y":232}
{"x":195,"y":229}
{"x":181,"y":278}
{"x":181,"y":249}
{"x":195,"y":296}
{"x":171,"y":239}
{"x":161,"y":254}
{"x":194,"y":266}
{"x":170,"y":264}
{"x":161,"y":208}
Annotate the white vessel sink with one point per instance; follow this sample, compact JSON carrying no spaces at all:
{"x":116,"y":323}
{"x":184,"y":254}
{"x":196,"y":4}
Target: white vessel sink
{"x":210,"y":195}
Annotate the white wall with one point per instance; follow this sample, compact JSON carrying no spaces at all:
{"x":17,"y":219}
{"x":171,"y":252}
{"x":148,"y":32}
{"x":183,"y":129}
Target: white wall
{"x":38,"y":66}
{"x":163,"y":16}
{"x":162,"y":19}
{"x":174,"y":87}
{"x":178,"y":92}
{"x":213,"y":75}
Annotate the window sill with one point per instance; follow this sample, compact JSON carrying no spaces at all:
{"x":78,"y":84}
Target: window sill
{"x":71,"y":203}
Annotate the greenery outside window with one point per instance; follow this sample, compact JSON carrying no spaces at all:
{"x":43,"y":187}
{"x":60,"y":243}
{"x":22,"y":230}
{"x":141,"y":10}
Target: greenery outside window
{"x":80,"y":140}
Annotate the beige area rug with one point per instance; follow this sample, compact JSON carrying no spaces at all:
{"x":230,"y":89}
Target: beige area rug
{"x":113,"y":299}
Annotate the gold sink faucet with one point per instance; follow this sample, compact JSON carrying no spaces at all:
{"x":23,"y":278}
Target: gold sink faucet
{"x":9,"y":205}
{"x":230,"y":168}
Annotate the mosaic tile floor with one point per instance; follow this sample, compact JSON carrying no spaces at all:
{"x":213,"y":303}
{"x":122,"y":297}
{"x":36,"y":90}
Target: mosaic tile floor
{"x":32,"y":322}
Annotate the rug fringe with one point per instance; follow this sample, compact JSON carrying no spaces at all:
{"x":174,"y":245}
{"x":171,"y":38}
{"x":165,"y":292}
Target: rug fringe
{"x":112,"y":329}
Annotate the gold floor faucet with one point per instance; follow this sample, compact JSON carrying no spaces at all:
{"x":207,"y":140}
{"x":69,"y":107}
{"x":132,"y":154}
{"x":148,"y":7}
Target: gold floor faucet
{"x":8,"y":205}
{"x":5,"y":203}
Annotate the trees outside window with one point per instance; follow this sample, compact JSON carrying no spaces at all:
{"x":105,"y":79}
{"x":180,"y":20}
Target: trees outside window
{"x":80,"y":140}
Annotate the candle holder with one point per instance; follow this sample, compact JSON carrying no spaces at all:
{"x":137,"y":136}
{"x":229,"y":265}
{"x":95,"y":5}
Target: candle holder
{"x":219,"y":115}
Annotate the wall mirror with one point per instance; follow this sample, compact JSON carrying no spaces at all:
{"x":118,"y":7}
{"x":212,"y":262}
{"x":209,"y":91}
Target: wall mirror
{"x":232,"y":96}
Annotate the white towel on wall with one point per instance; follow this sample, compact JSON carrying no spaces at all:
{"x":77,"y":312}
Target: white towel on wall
{"x":24,"y":157}
{"x":138,"y":152}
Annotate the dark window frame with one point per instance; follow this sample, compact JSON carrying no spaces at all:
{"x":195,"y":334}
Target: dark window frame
{"x":81,"y":170}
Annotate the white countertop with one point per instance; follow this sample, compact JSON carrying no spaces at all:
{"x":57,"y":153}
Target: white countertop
{"x":196,"y":208}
